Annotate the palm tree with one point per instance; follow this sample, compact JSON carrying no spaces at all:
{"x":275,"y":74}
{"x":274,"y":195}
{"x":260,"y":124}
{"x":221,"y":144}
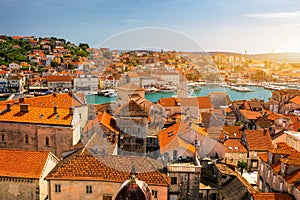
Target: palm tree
{"x":242,"y":165}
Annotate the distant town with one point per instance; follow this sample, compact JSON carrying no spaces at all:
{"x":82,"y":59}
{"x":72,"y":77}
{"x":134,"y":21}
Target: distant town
{"x":155,"y":135}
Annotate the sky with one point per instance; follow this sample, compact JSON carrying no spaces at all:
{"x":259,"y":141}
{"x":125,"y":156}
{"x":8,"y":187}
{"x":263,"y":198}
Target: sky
{"x":255,"y":26}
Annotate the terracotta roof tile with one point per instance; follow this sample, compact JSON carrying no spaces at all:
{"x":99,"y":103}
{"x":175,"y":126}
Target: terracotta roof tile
{"x":282,"y":148}
{"x":273,"y":116}
{"x":272,"y":196}
{"x":37,"y":115}
{"x":108,"y":168}
{"x":258,"y":140}
{"x":65,"y":100}
{"x":263,"y":122}
{"x":263,"y":156}
{"x":296,"y":100}
{"x":297,"y":185}
{"x":292,"y":178}
{"x":235,"y":146}
{"x":131,"y":109}
{"x":276,"y":167}
{"x":233,"y":131}
{"x":105,"y":119}
{"x":204,"y":102}
{"x":59,"y":78}
{"x":172,"y":101}
{"x":251,"y":115}
{"x":22,"y":164}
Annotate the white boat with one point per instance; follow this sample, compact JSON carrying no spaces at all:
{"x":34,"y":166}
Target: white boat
{"x":243,"y":89}
{"x":111,"y":94}
{"x":191,"y":93}
{"x":151,"y":90}
{"x":114,"y":94}
{"x":103,"y":92}
{"x":167,"y":89}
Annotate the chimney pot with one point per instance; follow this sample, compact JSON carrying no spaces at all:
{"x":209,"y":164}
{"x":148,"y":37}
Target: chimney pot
{"x":8,"y":107}
{"x":265,"y":131}
{"x":24,"y":107}
{"x":55,"y":110}
{"x":71,"y":110}
{"x":21,"y":99}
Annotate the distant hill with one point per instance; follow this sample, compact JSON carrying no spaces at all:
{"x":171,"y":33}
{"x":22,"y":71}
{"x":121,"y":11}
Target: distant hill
{"x":278,"y":57}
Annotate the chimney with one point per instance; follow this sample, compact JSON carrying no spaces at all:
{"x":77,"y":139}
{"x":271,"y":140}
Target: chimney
{"x":54,"y":94}
{"x":8,"y":107}
{"x":21,"y":99}
{"x":265,"y":131}
{"x":55,"y":110}
{"x":71,"y":110}
{"x":24,"y":107}
{"x":70,"y":93}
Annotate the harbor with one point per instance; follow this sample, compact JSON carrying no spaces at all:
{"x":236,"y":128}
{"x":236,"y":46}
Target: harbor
{"x":257,"y":92}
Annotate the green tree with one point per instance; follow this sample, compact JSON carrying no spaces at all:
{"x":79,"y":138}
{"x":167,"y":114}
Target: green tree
{"x":54,"y":64}
{"x":241,"y":165}
{"x":84,"y":46}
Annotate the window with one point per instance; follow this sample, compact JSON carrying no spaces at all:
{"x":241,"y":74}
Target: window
{"x":281,"y":184}
{"x":269,"y":173}
{"x":214,"y":196}
{"x":3,"y":137}
{"x":262,"y":167}
{"x":57,"y":188}
{"x":26,"y":139}
{"x":89,"y":189}
{"x":154,"y":193}
{"x":47,"y":141}
{"x":274,"y":178}
{"x":37,"y":190}
{"x":260,"y":183}
{"x":107,"y":197}
{"x":173,"y":180}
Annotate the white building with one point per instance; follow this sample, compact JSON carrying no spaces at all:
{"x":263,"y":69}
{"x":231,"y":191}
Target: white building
{"x":86,"y":84}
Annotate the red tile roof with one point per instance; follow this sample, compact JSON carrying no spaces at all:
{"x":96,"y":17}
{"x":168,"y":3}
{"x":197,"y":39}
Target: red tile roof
{"x":257,"y":140}
{"x":294,"y":177}
{"x":251,"y":115}
{"x":204,"y":102}
{"x":37,"y":115}
{"x":22,"y":164}
{"x":272,"y":196}
{"x":131,"y":109}
{"x":235,"y":146}
{"x":263,"y":157}
{"x":108,"y":168}
{"x":41,"y":109}
{"x":276,"y":167}
{"x":296,"y":100}
{"x":105,"y":119}
{"x":172,"y":101}
{"x":274,"y":116}
{"x":65,"y":100}
{"x":59,"y":78}
{"x":230,"y":130}
{"x":282,"y":148}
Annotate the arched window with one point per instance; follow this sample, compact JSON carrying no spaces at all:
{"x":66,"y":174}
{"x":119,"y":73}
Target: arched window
{"x":26,"y":139}
{"x":2,"y":137}
{"x":47,"y":141}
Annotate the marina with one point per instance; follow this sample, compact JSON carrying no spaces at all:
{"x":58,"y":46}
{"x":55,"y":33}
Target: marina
{"x":256,"y":92}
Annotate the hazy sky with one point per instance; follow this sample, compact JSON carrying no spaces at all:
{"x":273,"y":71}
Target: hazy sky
{"x":224,"y":25}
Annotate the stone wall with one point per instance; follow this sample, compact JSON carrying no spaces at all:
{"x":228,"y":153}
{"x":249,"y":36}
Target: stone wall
{"x":15,"y":188}
{"x":60,"y":138}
